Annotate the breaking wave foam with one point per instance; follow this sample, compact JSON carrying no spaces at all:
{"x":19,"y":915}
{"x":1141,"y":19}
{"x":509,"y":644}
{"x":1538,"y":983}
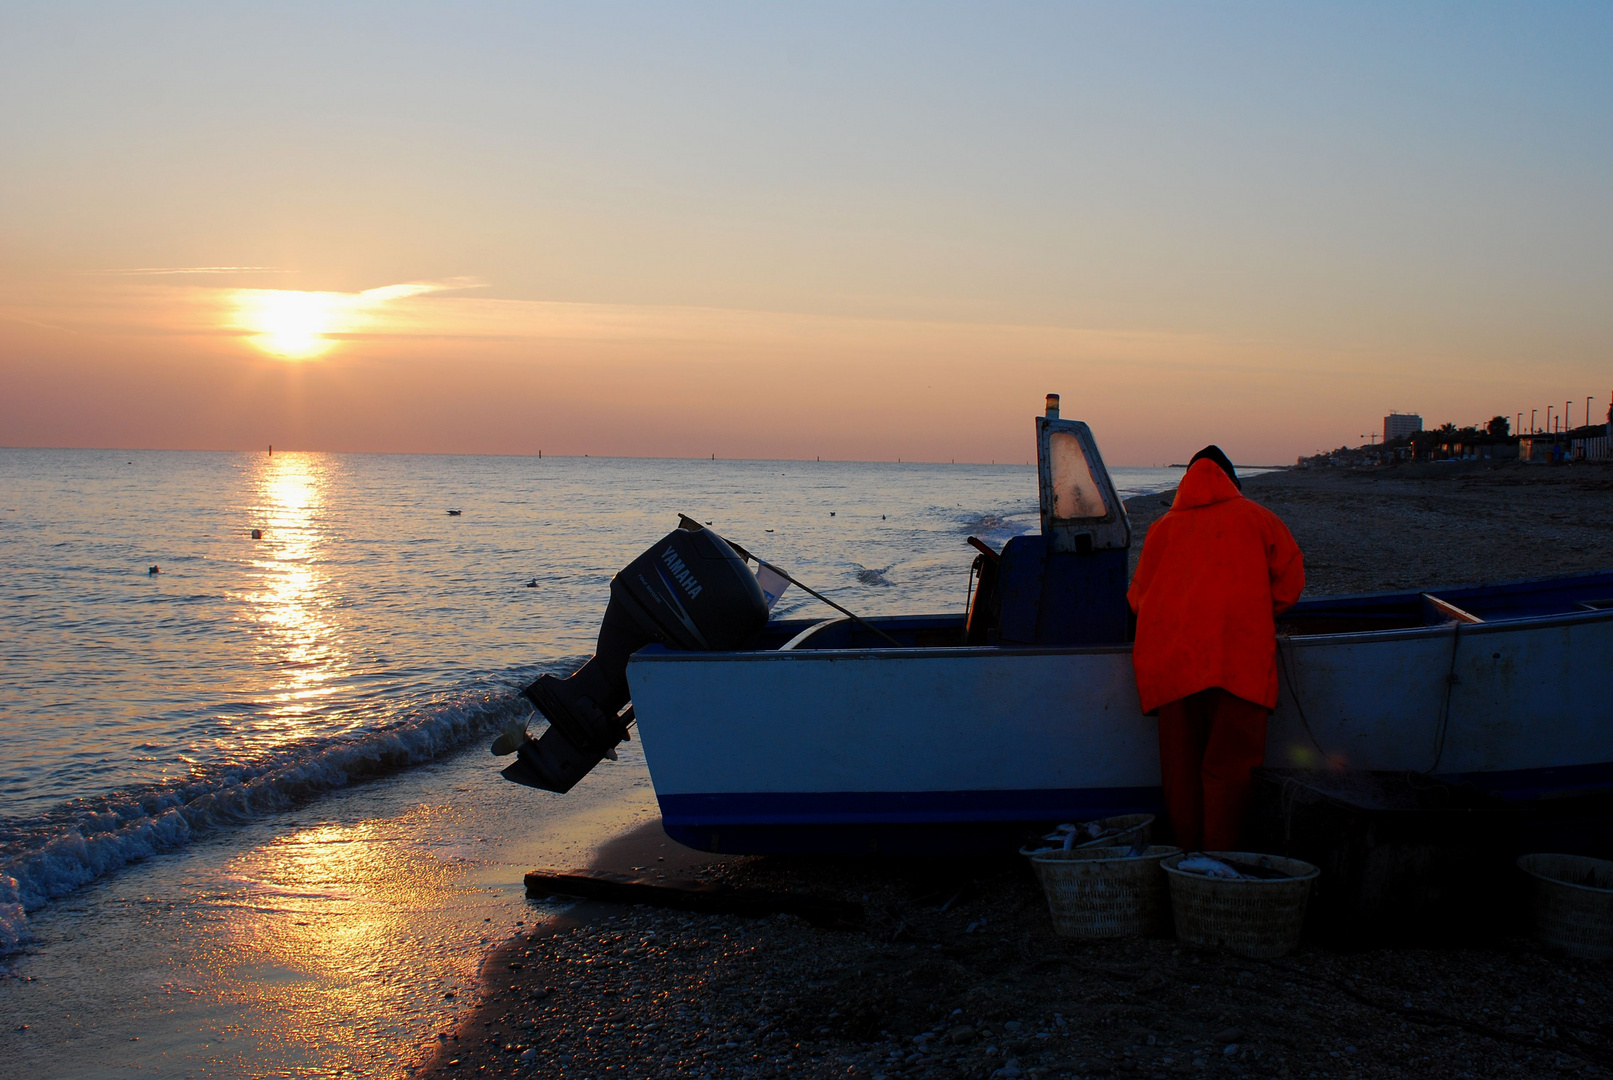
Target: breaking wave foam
{"x":121,"y":830}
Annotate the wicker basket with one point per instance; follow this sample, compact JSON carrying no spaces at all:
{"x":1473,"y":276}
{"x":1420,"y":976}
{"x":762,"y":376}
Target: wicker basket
{"x":1572,"y":903}
{"x":1106,"y":892}
{"x":1260,"y":918}
{"x":1134,"y":829}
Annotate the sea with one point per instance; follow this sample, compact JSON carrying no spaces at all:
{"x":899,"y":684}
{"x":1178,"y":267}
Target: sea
{"x":249,"y":825}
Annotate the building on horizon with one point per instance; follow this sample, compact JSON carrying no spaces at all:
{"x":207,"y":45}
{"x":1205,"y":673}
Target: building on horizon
{"x":1399,"y":425}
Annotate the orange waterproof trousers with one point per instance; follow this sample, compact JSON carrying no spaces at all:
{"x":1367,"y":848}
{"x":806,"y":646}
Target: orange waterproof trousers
{"x":1209,"y":743}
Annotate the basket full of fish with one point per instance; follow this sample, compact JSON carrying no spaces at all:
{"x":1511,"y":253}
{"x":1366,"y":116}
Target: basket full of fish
{"x":1122,"y":831}
{"x":1106,"y":891}
{"x":1238,"y":901}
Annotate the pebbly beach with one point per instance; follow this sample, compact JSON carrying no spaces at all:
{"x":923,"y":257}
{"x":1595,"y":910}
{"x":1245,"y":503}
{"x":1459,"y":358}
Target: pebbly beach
{"x":952,"y":968}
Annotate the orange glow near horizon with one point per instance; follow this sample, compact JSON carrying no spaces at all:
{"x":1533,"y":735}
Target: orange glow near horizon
{"x":433,"y":367}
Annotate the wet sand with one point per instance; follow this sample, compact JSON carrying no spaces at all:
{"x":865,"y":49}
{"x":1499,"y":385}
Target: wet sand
{"x":965,"y":951}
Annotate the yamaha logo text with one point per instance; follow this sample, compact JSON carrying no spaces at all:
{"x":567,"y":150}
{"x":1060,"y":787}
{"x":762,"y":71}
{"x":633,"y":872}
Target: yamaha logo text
{"x":681,"y":573}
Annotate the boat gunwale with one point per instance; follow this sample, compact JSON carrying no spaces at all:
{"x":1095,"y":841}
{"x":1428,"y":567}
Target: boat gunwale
{"x":658,"y":654}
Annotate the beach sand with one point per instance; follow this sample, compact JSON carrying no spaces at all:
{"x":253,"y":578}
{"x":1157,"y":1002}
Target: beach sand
{"x":966,"y":948}
{"x":1421,"y":526}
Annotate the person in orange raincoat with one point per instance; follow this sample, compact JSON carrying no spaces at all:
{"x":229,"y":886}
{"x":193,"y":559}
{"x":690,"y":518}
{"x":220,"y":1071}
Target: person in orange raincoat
{"x":1214,"y":573}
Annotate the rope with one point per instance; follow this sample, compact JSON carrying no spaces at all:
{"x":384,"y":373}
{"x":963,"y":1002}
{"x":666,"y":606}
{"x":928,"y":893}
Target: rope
{"x":1445,"y":709}
{"x":968,"y":598}
{"x":1444,"y":713}
{"x":1293,"y":693}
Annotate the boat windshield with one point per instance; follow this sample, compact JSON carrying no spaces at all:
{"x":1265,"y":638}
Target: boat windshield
{"x":1075,"y":493}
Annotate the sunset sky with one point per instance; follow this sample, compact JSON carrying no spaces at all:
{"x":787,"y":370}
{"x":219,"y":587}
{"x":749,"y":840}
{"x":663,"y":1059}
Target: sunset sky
{"x":860,"y":231}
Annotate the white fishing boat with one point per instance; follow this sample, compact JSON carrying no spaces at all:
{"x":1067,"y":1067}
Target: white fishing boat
{"x":962,"y":732}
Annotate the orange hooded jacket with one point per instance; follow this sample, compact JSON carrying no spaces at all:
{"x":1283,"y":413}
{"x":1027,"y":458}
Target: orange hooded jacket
{"x":1215,"y":571}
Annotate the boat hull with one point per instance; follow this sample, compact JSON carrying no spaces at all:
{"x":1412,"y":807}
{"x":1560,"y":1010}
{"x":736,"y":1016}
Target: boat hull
{"x":955,"y":749}
{"x":909,"y":749}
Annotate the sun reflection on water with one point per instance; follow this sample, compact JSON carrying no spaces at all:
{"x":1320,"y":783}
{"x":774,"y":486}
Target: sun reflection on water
{"x":322,"y":941}
{"x":298,"y":640}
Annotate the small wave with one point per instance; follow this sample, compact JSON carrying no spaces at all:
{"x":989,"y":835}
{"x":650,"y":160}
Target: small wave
{"x":998,"y":523}
{"x":117,"y":832}
{"x":872,"y":577}
{"x":13,"y":923}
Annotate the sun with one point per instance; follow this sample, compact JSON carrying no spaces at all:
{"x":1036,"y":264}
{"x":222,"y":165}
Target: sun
{"x":294,"y":324}
{"x":290,"y":324}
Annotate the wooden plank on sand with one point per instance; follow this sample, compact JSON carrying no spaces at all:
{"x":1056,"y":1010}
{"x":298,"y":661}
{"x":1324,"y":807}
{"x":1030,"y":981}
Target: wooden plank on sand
{"x":707,"y":899}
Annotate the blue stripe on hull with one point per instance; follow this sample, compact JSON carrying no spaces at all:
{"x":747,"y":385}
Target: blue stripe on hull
{"x":976,"y":822}
{"x":1524,"y":784}
{"x":885,"y":822}
{"x":905,"y":807}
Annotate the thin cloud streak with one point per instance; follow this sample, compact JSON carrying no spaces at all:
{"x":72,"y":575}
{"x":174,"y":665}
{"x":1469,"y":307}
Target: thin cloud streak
{"x":300,"y":325}
{"x":152,"y":271}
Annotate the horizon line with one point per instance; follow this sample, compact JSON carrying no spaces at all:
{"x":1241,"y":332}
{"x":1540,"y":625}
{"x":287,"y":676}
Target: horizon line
{"x":540,"y":455}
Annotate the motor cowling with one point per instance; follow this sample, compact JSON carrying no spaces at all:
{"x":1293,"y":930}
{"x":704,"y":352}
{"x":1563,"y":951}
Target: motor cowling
{"x":691,"y":590}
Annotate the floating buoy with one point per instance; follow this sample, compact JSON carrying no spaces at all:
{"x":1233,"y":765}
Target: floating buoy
{"x":455,"y":513}
{"x":257,"y":534}
{"x":154,"y":570}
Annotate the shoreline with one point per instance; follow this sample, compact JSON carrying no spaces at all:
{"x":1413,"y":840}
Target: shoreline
{"x":643,"y":853}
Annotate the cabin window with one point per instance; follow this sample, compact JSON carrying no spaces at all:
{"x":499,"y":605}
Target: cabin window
{"x":1075,"y":493}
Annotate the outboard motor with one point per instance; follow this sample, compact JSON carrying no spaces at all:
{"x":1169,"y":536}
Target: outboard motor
{"x":691,"y":590}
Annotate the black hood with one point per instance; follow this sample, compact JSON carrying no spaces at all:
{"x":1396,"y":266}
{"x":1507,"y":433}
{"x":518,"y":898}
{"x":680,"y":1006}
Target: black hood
{"x":1217,"y":455}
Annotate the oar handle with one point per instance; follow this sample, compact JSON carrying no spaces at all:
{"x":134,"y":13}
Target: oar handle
{"x":859,"y":620}
{"x":687,"y":522}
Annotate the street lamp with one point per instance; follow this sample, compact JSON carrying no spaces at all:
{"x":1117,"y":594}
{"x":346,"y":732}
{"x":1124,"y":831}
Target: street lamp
{"x":1532,"y":428}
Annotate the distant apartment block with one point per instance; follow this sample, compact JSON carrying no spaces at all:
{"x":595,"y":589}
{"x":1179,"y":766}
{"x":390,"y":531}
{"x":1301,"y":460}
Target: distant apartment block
{"x":1397,"y":425}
